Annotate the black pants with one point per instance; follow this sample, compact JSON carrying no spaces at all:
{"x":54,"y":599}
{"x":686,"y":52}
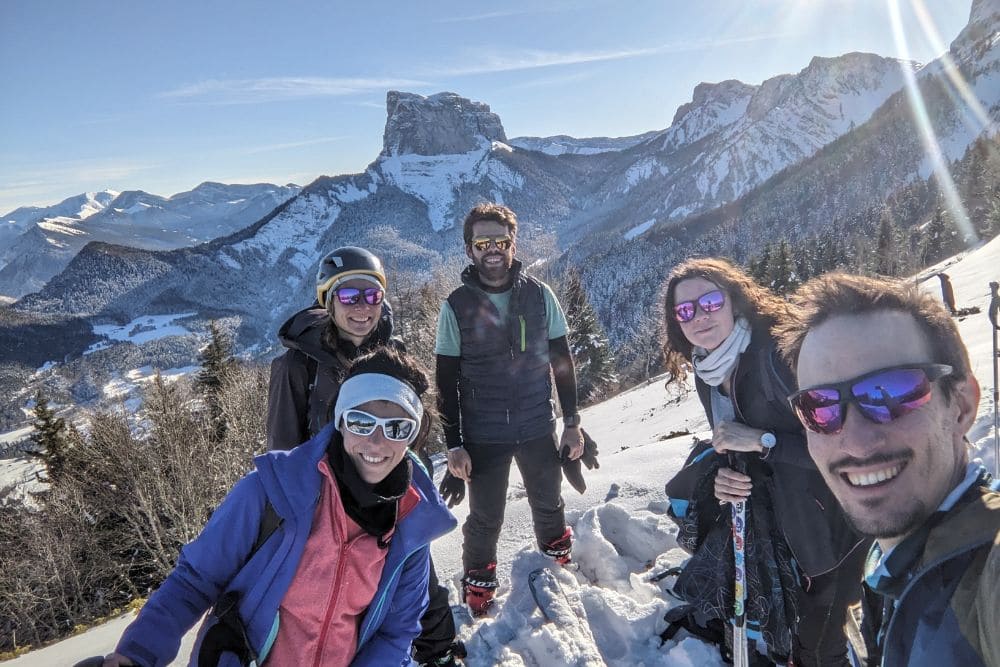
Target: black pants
{"x":437,"y":627}
{"x":821,"y":640}
{"x":540,"y":469}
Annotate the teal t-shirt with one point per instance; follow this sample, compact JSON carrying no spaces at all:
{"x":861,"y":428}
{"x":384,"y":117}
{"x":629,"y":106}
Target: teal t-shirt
{"x":449,"y":339}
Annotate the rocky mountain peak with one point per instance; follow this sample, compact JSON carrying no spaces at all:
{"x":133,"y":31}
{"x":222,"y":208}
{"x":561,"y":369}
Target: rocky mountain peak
{"x":982,"y":29}
{"x":441,"y":124}
{"x":721,"y":94}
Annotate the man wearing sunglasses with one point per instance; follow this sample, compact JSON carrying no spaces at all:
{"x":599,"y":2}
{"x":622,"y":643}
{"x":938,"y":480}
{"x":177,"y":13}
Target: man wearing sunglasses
{"x":887,"y":399}
{"x":499,"y":334}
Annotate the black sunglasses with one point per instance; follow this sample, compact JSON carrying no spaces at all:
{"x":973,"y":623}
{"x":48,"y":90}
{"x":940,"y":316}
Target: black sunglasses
{"x":880,"y":396}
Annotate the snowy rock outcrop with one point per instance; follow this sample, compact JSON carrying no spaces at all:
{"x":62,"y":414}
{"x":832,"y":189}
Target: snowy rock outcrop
{"x":442,"y":124}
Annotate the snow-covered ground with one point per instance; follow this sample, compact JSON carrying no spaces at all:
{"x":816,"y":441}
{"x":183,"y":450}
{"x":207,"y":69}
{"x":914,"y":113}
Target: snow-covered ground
{"x":140,"y":330}
{"x":622,"y":532}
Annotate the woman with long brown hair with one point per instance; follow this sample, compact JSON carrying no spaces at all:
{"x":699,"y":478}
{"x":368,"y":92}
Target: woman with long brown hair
{"x":718,"y":323}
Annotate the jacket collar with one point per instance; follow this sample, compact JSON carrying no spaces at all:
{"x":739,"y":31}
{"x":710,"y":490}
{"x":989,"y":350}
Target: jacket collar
{"x":303,"y":332}
{"x":972,"y":522}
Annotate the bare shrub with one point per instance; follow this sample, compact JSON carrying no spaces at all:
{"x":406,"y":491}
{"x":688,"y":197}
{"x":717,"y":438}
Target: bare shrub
{"x":135,"y":489}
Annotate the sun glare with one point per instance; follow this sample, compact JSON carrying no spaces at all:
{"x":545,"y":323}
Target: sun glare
{"x":932,"y":147}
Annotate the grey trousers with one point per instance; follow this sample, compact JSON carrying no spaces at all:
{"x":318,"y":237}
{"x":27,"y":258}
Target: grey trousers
{"x":541,"y":471}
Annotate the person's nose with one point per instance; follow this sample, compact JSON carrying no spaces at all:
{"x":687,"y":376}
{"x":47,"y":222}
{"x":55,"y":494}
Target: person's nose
{"x":859,"y":436}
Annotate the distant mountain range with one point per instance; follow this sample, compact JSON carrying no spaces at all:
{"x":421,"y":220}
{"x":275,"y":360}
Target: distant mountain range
{"x":740,"y":166}
{"x":36,"y":243}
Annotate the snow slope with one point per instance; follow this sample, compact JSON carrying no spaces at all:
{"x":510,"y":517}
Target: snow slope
{"x":622,"y":532}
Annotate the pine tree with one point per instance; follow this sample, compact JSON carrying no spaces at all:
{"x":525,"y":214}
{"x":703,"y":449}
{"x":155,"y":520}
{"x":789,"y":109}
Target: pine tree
{"x":781,"y":274}
{"x":759,"y":267}
{"x":49,"y":437}
{"x":587,"y":341}
{"x":216,"y":359}
{"x":940,"y":238}
{"x":888,"y":261}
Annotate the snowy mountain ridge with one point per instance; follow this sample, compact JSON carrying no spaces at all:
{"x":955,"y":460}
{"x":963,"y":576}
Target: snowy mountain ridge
{"x":621,"y":216}
{"x":733,"y":136}
{"x":49,"y":238}
{"x":562,"y":144}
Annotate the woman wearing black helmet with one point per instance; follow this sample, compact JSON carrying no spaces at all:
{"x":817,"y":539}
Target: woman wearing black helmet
{"x":350,"y":318}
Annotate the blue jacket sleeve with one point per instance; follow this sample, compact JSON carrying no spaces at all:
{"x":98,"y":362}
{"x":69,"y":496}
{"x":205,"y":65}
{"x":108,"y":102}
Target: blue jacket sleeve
{"x":391,"y":643}
{"x":205,"y":567}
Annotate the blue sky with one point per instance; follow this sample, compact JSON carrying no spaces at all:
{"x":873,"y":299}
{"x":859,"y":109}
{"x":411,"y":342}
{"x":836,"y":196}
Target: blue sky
{"x":163,"y":95}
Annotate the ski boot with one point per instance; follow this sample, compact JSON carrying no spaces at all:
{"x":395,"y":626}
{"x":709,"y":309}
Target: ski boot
{"x":478,"y":589}
{"x":559,"y":549}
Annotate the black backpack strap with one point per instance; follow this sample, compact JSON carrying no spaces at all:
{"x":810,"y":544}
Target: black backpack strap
{"x":682,"y":617}
{"x":229,"y":635}
{"x":269,"y":522}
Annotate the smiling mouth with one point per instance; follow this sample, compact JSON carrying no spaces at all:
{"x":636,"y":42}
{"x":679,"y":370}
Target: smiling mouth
{"x":373,"y":460}
{"x":874,"y":478}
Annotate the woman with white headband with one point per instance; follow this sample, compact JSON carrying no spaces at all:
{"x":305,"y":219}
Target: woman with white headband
{"x":320,"y":555}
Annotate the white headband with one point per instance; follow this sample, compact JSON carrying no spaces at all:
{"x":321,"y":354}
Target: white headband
{"x":366,"y":387}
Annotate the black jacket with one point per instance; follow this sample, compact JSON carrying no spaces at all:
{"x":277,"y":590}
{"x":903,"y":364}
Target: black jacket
{"x":805,"y":508}
{"x":306,"y":379}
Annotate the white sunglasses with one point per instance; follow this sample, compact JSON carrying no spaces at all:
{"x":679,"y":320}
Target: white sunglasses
{"x":397,"y":429}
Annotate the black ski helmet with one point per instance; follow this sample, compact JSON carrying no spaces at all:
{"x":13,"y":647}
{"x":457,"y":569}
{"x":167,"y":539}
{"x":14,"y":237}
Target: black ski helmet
{"x":342,"y":264}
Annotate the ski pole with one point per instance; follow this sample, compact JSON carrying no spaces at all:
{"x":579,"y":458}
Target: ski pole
{"x":994,"y":306}
{"x":741,"y":656}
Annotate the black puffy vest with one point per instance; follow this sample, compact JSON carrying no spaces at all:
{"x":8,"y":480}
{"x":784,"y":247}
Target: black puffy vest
{"x":505,"y":385}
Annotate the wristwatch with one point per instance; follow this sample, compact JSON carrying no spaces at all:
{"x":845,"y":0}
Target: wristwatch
{"x":767,"y":440}
{"x":571,"y":421}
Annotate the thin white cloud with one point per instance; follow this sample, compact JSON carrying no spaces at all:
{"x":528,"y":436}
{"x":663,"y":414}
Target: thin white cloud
{"x":370,"y":104}
{"x":508,"y":61}
{"x":293,"y":144}
{"x":547,"y":8}
{"x":544,"y":82}
{"x":253,"y":91}
{"x":489,"y":16}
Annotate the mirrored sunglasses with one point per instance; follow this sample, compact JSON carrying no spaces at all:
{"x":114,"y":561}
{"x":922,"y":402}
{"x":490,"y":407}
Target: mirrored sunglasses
{"x":397,"y":429}
{"x":709,"y":302}
{"x":352,"y":295}
{"x":482,"y":243}
{"x":880,"y":396}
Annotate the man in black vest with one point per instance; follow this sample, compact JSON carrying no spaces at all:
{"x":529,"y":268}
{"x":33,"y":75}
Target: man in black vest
{"x":498,"y":336}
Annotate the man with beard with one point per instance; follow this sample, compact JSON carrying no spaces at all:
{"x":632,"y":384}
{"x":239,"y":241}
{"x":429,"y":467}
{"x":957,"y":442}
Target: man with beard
{"x":498,"y":336}
{"x":888,"y":397}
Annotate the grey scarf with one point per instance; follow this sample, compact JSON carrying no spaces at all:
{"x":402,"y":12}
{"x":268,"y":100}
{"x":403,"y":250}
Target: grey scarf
{"x":715,"y":366}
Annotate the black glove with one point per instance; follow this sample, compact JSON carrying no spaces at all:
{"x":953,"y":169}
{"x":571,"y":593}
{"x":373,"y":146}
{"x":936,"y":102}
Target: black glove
{"x":452,"y":489}
{"x":589,"y":457}
{"x":572,"y":470}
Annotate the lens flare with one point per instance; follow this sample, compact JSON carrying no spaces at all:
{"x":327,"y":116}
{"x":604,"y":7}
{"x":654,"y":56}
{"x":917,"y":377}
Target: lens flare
{"x":932,"y":148}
